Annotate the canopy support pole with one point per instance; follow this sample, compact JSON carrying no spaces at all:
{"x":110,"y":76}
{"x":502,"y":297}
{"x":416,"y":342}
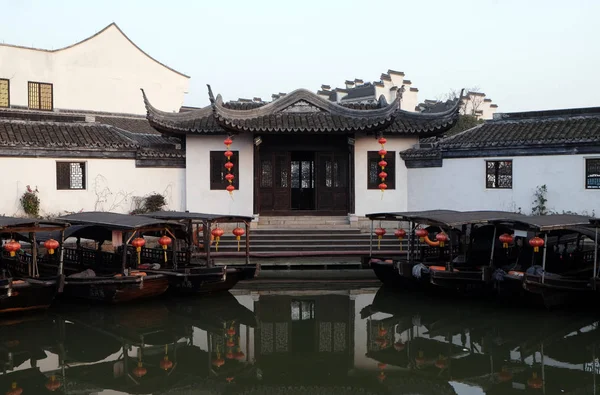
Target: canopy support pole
{"x":206,"y":237}
{"x":595,"y":258}
{"x":493,"y":246}
{"x":61,"y":261}
{"x":544,"y":257}
{"x":248,"y":243}
{"x":190,"y":242}
{"x":124,"y":254}
{"x":34,"y":254}
{"x":450,"y":265}
{"x":371,"y":241}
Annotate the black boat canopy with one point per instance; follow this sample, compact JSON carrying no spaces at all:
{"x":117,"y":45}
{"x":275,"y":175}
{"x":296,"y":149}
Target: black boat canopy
{"x":116,"y":221}
{"x":31,"y":224}
{"x":595,"y":221}
{"x":448,"y":218}
{"x":186,"y":215}
{"x":546,"y":223}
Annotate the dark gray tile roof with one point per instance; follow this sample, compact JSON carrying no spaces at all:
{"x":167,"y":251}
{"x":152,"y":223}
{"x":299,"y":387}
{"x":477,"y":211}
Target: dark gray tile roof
{"x":366,"y":90}
{"x":557,"y":128}
{"x":131,"y":124}
{"x":301,"y":111}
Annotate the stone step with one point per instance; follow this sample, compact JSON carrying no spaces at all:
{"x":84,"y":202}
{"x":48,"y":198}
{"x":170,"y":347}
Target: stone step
{"x":302,"y":217}
{"x":303,"y":223}
{"x":306,"y":247}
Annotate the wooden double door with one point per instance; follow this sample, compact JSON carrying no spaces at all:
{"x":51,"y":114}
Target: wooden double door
{"x":295,"y":182}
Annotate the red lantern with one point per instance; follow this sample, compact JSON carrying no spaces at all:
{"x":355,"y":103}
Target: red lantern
{"x":381,"y":342}
{"x":381,"y":376}
{"x":383,"y":175}
{"x":218,"y":362}
{"x":14,"y":390}
{"x":382,"y":164}
{"x":217,"y":233}
{"x":382,"y":332}
{"x":441,"y":363}
{"x":421,"y":234}
{"x":53,"y":384}
{"x":51,"y":245}
{"x":229,"y":379}
{"x":536,"y":243}
{"x":139,"y":242}
{"x":230,"y":343}
{"x":380,"y":232}
{"x":381,"y":365}
{"x":239,"y":355}
{"x":228,"y":154}
{"x":400,"y":234}
{"x":231,"y":331}
{"x":229,"y":165}
{"x":139,"y":370}
{"x":382,"y":141}
{"x":504,"y":375}
{"x":535,"y":382}
{"x":229,"y":355}
{"x":230,"y":189}
{"x":399,"y":346}
{"x":164,"y":241}
{"x":442,"y":238}
{"x":383,"y":186}
{"x":506,"y":239}
{"x":228,"y":141}
{"x":229,"y":177}
{"x":382,"y":153}
{"x":238,"y":233}
{"x":165,"y":364}
{"x":12,"y":247}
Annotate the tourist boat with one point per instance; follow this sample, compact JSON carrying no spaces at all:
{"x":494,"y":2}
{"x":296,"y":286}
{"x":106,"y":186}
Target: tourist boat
{"x":21,"y":287}
{"x":455,"y":250}
{"x":110,"y":276}
{"x":202,"y":241}
{"x":559,"y":259}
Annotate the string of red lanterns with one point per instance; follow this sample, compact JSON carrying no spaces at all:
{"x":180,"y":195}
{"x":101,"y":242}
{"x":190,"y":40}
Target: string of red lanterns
{"x":380,"y":232}
{"x":229,"y":165}
{"x":238,"y":233}
{"x":400,"y":234}
{"x":217,"y":233}
{"x":382,"y":164}
{"x":536,"y":243}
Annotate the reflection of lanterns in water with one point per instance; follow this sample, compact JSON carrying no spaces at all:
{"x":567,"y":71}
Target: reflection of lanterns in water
{"x":381,"y":365}
{"x":140,"y":370}
{"x":231,"y":330}
{"x":535,"y":382}
{"x":218,"y":362}
{"x":382,"y":332}
{"x":381,"y":342}
{"x":381,"y":376}
{"x":399,"y":346}
{"x":53,"y":384}
{"x":14,"y":390}
{"x":420,"y":359}
{"x":229,"y":379}
{"x":504,"y":375}
{"x":230,"y":343}
{"x":442,"y":362}
{"x":239,"y":355}
{"x":165,"y":363}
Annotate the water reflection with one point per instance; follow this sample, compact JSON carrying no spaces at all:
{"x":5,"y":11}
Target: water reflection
{"x":365,"y":341}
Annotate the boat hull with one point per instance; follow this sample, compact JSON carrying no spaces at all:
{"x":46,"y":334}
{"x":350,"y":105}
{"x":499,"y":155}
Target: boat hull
{"x":27,"y":296}
{"x":116,"y":290}
{"x":560,"y":292}
{"x":463,"y":281}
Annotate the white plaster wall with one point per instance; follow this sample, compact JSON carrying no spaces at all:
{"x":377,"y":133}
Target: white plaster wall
{"x":460,"y":185}
{"x":199,"y":196}
{"x":111,"y":185}
{"x":409,"y":99}
{"x":104,"y":73}
{"x":370,"y":200}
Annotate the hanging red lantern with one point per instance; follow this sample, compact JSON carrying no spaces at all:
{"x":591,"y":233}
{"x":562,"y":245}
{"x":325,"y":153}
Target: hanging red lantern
{"x":228,"y":154}
{"x":441,"y":363}
{"x":380,"y":232}
{"x":230,"y":189}
{"x":239,"y":355}
{"x":420,"y":359}
{"x":53,"y":384}
{"x":505,"y":239}
{"x":218,"y":362}
{"x":504,"y":375}
{"x":536,"y":243}
{"x":421,"y":234}
{"x":381,"y":342}
{"x":217,"y":233}
{"x":382,"y":141}
{"x":12,"y":247}
{"x":229,"y":355}
{"x":140,"y":370}
{"x":442,"y":238}
{"x":238,"y":233}
{"x":229,"y":379}
{"x":382,"y":163}
{"x":230,"y":343}
{"x":400,"y":234}
{"x":229,"y":165}
{"x":51,"y":245}
{"x":382,"y":332}
{"x":229,"y":177}
{"x":138,"y":243}
{"x":165,"y":241}
{"x":383,"y":175}
{"x":228,"y":141}
{"x":399,"y":346}
{"x":165,"y":363}
{"x":382,"y":153}
{"x":231,"y":331}
{"x":535,"y":382}
{"x":14,"y":390}
{"x":382,"y":186}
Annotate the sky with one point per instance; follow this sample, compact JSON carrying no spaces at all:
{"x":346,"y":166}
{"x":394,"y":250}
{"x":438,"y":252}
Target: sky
{"x":524,"y":54}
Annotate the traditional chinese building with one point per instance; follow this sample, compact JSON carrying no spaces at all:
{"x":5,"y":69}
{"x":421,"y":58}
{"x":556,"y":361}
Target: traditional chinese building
{"x":300,"y":154}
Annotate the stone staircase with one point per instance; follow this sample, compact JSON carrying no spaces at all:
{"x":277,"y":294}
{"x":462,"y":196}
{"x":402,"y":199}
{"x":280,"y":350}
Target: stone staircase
{"x":304,"y":222}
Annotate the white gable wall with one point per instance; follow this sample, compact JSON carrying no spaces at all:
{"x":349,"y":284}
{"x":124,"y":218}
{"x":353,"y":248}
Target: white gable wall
{"x":460,"y":185}
{"x":104,"y":73}
{"x":111,"y":185}
{"x":199,"y":196}
{"x":370,"y":200}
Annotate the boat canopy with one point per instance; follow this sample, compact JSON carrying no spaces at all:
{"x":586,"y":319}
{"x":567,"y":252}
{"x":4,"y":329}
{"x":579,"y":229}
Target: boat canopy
{"x":546,"y":223}
{"x":448,"y":218}
{"x":6,"y":223}
{"x":186,"y":215}
{"x":115,"y":221}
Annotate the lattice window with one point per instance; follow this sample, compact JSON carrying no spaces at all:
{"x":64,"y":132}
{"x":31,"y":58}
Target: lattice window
{"x":40,"y":96}
{"x":499,"y":174}
{"x":373,"y":170}
{"x":592,"y":173}
{"x":70,"y":175}
{"x":218,"y":170}
{"x":4,"y":93}
{"x":303,"y":310}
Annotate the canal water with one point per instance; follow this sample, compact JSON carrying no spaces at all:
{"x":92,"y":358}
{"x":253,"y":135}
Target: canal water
{"x":335,"y":341}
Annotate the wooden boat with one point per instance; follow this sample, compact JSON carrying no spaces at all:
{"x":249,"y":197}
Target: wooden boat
{"x":563,"y":268}
{"x":105,"y":276}
{"x":456,"y":250}
{"x":203,"y":261}
{"x":21,"y":287}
